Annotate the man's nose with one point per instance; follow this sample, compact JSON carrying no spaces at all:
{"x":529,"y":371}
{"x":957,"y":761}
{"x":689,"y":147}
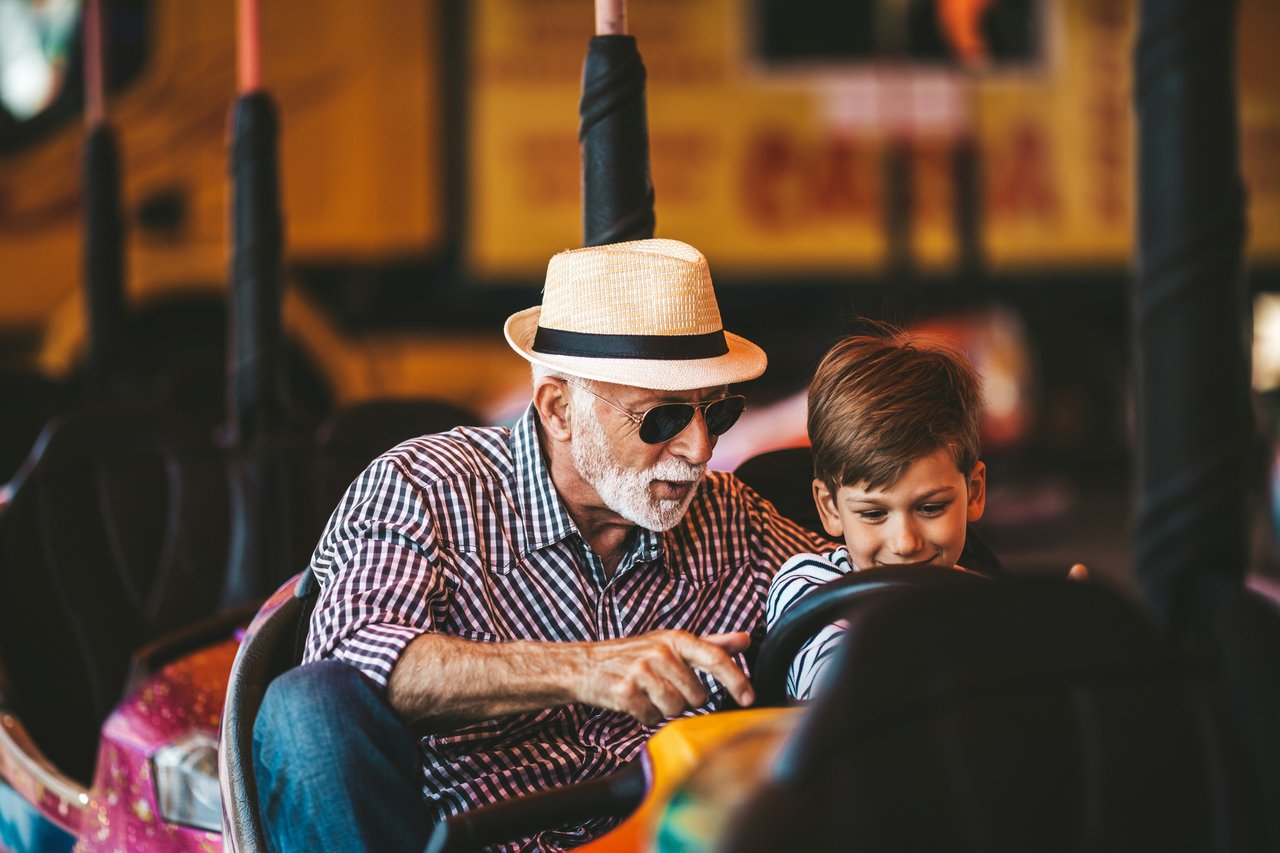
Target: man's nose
{"x":694,"y":443}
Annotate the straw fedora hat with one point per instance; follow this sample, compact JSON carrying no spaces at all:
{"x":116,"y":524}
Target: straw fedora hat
{"x":640,"y":313}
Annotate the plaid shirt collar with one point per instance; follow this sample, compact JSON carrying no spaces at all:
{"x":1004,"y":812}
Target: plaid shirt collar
{"x":547,"y":521}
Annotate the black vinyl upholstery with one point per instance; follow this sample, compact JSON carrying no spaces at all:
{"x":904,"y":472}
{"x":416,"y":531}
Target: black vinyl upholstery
{"x":1242,"y":643}
{"x":30,"y":400}
{"x":784,"y":477}
{"x":615,"y":795}
{"x":349,"y":439}
{"x":115,"y":534}
{"x":1003,"y":716}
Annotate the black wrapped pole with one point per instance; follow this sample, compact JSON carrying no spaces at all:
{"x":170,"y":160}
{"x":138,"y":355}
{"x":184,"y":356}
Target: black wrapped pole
{"x":617,"y":192}
{"x":263,"y":455}
{"x":103,"y":260}
{"x":103,"y":221}
{"x":1192,"y":314}
{"x":254,"y":347}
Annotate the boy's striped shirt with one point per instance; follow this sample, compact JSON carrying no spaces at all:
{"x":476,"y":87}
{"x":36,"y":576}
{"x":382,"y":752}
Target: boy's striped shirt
{"x":798,"y":577}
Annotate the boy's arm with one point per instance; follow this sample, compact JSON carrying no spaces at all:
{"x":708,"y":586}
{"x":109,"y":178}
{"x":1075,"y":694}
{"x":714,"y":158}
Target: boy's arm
{"x":798,"y":577}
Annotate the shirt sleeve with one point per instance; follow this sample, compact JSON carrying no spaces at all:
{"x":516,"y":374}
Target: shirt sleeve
{"x":798,"y":577}
{"x":378,"y":564}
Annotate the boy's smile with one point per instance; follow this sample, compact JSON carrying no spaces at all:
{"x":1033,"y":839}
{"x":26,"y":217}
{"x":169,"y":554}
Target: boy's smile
{"x":919,"y":520}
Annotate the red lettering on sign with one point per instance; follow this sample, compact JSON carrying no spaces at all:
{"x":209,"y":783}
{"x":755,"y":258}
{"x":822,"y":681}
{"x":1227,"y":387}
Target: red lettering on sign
{"x":1108,"y":109}
{"x":769,"y":168}
{"x":1022,"y":180}
{"x":933,"y":183}
{"x":789,"y":183}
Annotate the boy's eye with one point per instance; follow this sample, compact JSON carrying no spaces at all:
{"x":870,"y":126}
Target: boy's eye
{"x":936,"y":508}
{"x":871,"y":514}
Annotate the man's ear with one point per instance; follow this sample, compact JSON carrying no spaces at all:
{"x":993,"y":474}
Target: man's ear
{"x":977,"y":490}
{"x":552,"y":402}
{"x":826,"y":503}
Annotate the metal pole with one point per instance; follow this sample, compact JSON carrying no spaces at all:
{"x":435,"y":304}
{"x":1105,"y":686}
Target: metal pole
{"x":617,"y":192}
{"x":1195,"y":437}
{"x":104,"y":273}
{"x":259,"y":455}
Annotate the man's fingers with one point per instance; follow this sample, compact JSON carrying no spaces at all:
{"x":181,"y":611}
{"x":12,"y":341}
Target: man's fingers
{"x":713,"y":658}
{"x":647,"y":713}
{"x":669,"y":690}
{"x":733,"y":643}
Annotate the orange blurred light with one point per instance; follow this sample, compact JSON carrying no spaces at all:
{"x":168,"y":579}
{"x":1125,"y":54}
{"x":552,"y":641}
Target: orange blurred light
{"x":961,"y":23}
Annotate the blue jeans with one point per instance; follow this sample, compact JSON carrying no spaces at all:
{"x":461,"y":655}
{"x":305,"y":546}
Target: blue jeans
{"x":335,"y":766}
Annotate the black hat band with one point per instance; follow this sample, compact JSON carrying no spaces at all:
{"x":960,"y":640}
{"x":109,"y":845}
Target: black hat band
{"x":657,"y":347}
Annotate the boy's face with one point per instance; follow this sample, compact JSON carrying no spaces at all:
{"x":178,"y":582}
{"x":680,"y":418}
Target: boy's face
{"x":919,"y":520}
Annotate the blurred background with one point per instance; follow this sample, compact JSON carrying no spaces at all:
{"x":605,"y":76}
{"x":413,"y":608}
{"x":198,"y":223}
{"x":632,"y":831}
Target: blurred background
{"x":960,"y":165}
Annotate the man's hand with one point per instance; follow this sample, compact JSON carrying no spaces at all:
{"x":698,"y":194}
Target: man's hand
{"x":651,"y":676}
{"x":446,"y":682}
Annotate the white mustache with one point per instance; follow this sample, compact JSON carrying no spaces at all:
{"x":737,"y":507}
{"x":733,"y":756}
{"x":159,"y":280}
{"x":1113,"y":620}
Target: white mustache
{"x":676,"y":471}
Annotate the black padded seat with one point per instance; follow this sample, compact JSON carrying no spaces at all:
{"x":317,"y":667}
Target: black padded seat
{"x":1003,"y":716}
{"x":784,"y":477}
{"x":1241,"y":638}
{"x":352,"y":437}
{"x":29,"y":401}
{"x":115,"y":534}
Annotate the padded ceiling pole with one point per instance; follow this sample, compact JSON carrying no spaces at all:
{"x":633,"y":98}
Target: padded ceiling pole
{"x":1192,"y":314}
{"x":257,"y":237}
{"x":103,"y":260}
{"x":254,"y":380}
{"x":617,"y":192}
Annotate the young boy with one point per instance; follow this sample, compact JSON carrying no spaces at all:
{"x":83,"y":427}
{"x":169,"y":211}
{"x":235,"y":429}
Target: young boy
{"x":893,"y":420}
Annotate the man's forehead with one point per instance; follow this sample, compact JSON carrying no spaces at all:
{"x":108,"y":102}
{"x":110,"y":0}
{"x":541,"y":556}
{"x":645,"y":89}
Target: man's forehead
{"x":637,"y":394}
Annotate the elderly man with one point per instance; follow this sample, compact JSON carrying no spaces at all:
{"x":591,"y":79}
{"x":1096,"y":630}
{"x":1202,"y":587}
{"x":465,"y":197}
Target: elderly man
{"x":533,"y":602}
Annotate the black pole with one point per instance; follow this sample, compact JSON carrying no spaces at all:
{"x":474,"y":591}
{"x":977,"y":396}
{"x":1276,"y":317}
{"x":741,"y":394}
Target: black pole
{"x":260,"y":456}
{"x":1192,"y":313}
{"x":617,"y":192}
{"x":103,"y":260}
{"x":254,"y":348}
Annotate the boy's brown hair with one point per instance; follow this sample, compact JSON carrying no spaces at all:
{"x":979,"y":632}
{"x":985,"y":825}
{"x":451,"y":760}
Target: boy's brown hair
{"x":877,"y":403}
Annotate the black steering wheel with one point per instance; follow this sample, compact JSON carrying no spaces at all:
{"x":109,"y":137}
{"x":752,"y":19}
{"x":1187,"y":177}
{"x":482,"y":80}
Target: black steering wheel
{"x":825,"y":605}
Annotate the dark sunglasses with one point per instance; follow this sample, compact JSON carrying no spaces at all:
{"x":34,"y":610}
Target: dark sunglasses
{"x":665,"y":421}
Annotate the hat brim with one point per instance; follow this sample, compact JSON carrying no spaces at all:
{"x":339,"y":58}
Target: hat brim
{"x":743,"y":361}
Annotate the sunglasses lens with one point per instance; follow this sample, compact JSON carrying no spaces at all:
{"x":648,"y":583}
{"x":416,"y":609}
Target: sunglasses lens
{"x":663,"y":423}
{"x":723,"y":414}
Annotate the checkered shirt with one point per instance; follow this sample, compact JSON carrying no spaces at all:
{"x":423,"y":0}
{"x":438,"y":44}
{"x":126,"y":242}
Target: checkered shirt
{"x":462,"y":533}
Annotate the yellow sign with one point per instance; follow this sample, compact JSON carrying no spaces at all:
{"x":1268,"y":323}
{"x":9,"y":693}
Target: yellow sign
{"x":776,"y":172}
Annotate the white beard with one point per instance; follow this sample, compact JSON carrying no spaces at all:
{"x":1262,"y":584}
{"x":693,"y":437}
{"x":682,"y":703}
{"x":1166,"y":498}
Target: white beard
{"x":624,"y":491}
